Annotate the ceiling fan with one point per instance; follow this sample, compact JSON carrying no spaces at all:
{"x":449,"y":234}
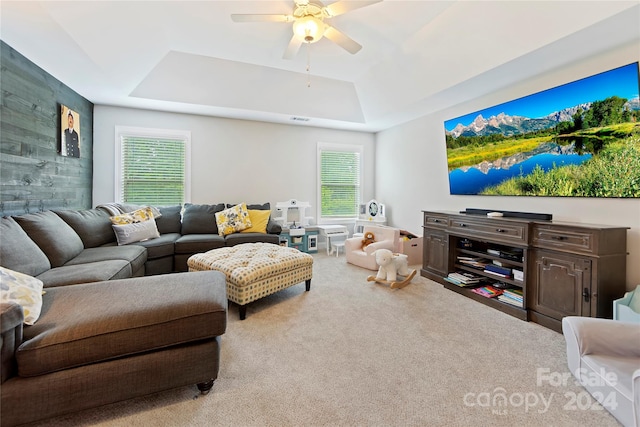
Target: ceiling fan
{"x":308,"y":23}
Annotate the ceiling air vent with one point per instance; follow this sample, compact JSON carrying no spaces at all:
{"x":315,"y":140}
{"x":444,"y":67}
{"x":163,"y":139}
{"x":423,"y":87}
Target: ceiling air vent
{"x":300,"y":119}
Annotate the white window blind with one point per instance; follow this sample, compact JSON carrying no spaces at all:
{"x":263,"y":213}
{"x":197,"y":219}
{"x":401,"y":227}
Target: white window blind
{"x":153,"y":167}
{"x":340,"y":175}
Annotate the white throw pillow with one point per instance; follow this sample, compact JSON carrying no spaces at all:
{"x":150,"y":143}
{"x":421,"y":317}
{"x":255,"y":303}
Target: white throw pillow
{"x":24,"y":290}
{"x":136,"y":232}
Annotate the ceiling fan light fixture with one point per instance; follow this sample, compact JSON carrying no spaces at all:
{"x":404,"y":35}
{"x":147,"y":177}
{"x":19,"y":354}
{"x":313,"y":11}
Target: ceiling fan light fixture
{"x":309,"y":28}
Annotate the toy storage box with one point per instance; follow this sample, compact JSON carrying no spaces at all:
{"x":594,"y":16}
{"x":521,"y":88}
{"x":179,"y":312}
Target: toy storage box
{"x":412,"y":248}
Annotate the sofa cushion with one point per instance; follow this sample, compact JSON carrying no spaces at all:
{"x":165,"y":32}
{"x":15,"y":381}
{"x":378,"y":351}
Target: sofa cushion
{"x":160,"y":247}
{"x":238,"y":238}
{"x":24,"y":290}
{"x":133,"y":254}
{"x":233,"y":219}
{"x":170,"y":221}
{"x":54,"y":236}
{"x":18,"y":252}
{"x":92,"y":225}
{"x":200,"y":219}
{"x":194,"y":243}
{"x":86,"y":273}
{"x":90,"y":323}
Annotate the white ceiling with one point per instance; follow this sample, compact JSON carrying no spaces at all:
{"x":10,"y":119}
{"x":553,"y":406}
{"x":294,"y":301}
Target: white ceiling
{"x":418,"y":56}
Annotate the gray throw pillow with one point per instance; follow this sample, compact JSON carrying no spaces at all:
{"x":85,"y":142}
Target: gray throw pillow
{"x":54,"y":236}
{"x":169,"y":222}
{"x":18,"y":252}
{"x":200,"y":219}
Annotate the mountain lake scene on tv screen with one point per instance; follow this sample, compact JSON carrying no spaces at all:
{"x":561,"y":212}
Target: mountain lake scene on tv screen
{"x":580,"y":139}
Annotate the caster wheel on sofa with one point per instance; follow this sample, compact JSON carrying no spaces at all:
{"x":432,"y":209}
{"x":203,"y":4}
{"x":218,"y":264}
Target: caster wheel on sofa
{"x":205,"y":387}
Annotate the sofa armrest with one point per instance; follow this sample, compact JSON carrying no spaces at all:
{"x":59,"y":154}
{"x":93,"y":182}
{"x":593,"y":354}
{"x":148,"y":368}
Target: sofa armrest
{"x":273,"y":227}
{"x":11,"y":320}
{"x":590,"y":335}
{"x":353,"y":244}
{"x":384,"y":244}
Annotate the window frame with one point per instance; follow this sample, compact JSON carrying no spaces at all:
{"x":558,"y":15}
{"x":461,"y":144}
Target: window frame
{"x":133,"y":131}
{"x":350,"y":148}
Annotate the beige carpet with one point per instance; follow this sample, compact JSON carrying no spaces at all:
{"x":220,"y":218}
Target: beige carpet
{"x":354,"y":353}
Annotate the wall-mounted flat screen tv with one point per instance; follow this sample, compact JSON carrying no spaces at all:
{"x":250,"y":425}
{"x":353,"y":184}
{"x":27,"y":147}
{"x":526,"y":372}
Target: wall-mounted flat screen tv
{"x":580,"y":139}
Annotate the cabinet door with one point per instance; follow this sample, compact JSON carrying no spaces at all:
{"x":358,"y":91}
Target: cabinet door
{"x":560,"y":285}
{"x":436,"y":252}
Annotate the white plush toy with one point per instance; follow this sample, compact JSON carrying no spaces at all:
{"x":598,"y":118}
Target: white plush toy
{"x":391,"y":265}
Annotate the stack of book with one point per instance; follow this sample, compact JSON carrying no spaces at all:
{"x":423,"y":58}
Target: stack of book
{"x":488,"y":291}
{"x":474,"y":262}
{"x":498,"y":271}
{"x":463,"y":278}
{"x":513,"y":297}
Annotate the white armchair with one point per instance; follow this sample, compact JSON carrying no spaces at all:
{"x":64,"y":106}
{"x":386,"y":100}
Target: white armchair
{"x":604,"y":355}
{"x":384,"y":238}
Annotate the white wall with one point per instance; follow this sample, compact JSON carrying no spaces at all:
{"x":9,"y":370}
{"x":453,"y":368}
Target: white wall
{"x":232,"y":160}
{"x":411,"y":167}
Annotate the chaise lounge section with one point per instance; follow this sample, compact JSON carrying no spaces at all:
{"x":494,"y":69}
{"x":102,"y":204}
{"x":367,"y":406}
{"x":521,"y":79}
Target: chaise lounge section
{"x":103,"y":342}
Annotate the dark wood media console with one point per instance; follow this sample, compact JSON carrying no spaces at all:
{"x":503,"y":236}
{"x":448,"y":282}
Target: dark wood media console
{"x":569,"y":269}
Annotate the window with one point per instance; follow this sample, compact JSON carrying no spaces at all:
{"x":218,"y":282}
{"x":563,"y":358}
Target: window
{"x":339,"y":178}
{"x":152,"y":166}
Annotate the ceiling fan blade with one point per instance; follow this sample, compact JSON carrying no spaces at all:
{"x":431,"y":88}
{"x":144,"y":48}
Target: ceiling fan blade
{"x":292,"y":48}
{"x":260,"y":18}
{"x":343,"y":6}
{"x":345,"y":42}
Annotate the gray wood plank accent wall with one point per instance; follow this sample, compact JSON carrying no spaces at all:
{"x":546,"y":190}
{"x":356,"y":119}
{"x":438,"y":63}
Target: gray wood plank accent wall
{"x":33,"y":175}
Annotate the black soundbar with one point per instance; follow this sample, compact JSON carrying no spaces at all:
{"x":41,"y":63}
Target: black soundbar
{"x":526,"y":215}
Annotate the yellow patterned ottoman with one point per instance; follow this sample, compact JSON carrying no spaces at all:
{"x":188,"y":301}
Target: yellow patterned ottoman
{"x":255,"y":270}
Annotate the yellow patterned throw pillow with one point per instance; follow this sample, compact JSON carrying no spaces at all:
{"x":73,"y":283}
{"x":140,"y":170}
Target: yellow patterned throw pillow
{"x":139,"y":215}
{"x":259,"y":220}
{"x":233,"y":219}
{"x":23,"y":290}
{"x":136,"y":226}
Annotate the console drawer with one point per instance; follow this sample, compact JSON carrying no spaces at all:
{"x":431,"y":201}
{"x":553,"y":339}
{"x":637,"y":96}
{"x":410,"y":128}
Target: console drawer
{"x":435,"y":220}
{"x":564,"y":238}
{"x":495,"y":229}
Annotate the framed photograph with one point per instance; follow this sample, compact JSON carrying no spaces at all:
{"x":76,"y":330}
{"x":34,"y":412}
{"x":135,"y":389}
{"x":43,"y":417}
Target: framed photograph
{"x":70,"y":135}
{"x":580,"y":139}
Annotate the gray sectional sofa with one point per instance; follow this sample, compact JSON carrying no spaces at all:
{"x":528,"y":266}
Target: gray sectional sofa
{"x":66,"y":247}
{"x":104,"y":333}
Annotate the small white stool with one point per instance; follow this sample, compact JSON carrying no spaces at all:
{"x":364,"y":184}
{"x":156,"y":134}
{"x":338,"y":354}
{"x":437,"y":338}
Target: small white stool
{"x":337,"y":246}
